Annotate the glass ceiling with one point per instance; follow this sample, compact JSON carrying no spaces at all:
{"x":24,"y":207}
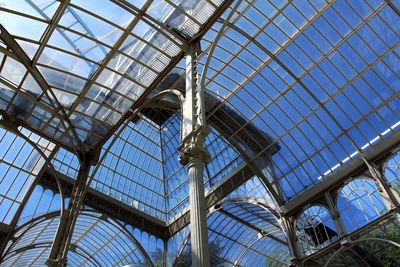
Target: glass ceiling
{"x":141,"y":167}
{"x":96,"y":63}
{"x":321,"y":76}
{"x":295,"y":89}
{"x":20,"y":165}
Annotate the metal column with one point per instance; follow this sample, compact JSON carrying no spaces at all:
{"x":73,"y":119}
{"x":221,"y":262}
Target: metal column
{"x":389,"y":195}
{"x":192,"y":152}
{"x":59,"y":248}
{"x":290,"y":233}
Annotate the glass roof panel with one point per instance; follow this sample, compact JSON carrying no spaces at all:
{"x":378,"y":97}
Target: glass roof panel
{"x":107,"y":11}
{"x":43,"y":9}
{"x":115,"y":245}
{"x":104,"y":241}
{"x":131,"y":171}
{"x":243,"y":230}
{"x":124,"y":50}
{"x":42,"y":201}
{"x":297,"y":89}
{"x":22,"y":26}
{"x":320,"y":77}
{"x":224,"y":158}
{"x":66,"y":162}
{"x":20,"y":164}
{"x":183,"y":16}
{"x":24,"y":99}
{"x":140,"y":168}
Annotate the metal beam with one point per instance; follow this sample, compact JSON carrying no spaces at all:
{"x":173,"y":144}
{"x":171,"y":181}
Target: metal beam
{"x":5,"y":228}
{"x":112,"y":207}
{"x":120,"y":211}
{"x":194,"y":155}
{"x":150,"y":20}
{"x":59,"y":248}
{"x":109,"y":57}
{"x":383,"y":147}
{"x":12,"y":127}
{"x":50,"y":29}
{"x":204,"y":29}
{"x":230,"y":215}
{"x":32,"y":69}
{"x":233,"y":180}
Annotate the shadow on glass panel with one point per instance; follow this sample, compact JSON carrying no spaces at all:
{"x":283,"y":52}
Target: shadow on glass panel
{"x":250,"y":141}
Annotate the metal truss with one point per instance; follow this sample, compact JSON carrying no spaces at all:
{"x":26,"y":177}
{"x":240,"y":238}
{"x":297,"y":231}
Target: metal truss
{"x":142,"y":98}
{"x":29,"y":65}
{"x":259,"y":233}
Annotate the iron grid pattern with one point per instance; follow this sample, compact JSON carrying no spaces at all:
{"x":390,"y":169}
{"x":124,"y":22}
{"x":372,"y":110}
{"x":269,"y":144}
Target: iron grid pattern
{"x":99,"y":58}
{"x":233,"y":242}
{"x":320,"y":77}
{"x":97,"y":241}
{"x":20,"y":164}
{"x":141,"y":168}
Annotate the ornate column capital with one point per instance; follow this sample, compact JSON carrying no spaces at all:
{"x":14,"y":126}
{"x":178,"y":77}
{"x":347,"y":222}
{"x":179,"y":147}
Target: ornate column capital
{"x":192,"y":147}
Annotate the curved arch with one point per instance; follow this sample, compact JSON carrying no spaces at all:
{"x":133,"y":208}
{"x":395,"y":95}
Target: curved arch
{"x":28,"y":253}
{"x":115,"y":223}
{"x":12,"y":127}
{"x":48,"y":245}
{"x":265,"y":206}
{"x":392,"y":171}
{"x":29,"y":225}
{"x":214,"y":44}
{"x":256,"y":201}
{"x":315,"y":228}
{"x":135,"y":241}
{"x":359,"y":202}
{"x":87,"y":255}
{"x":87,"y":213}
{"x":160,"y":95}
{"x":257,"y":238}
{"x":255,"y":235}
{"x":352,"y":242}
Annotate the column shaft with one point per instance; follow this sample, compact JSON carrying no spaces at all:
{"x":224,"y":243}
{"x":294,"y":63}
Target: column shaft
{"x":192,"y":152}
{"x":198,"y":223}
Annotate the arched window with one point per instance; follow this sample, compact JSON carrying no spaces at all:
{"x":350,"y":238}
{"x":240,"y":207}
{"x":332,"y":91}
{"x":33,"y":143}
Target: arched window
{"x":392,"y":171}
{"x":360,"y":202}
{"x":315,"y":229}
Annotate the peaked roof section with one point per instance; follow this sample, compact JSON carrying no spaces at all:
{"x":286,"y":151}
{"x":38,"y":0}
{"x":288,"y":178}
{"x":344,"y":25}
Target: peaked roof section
{"x":96,"y":64}
{"x":131,"y":168}
{"x":140,"y":167}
